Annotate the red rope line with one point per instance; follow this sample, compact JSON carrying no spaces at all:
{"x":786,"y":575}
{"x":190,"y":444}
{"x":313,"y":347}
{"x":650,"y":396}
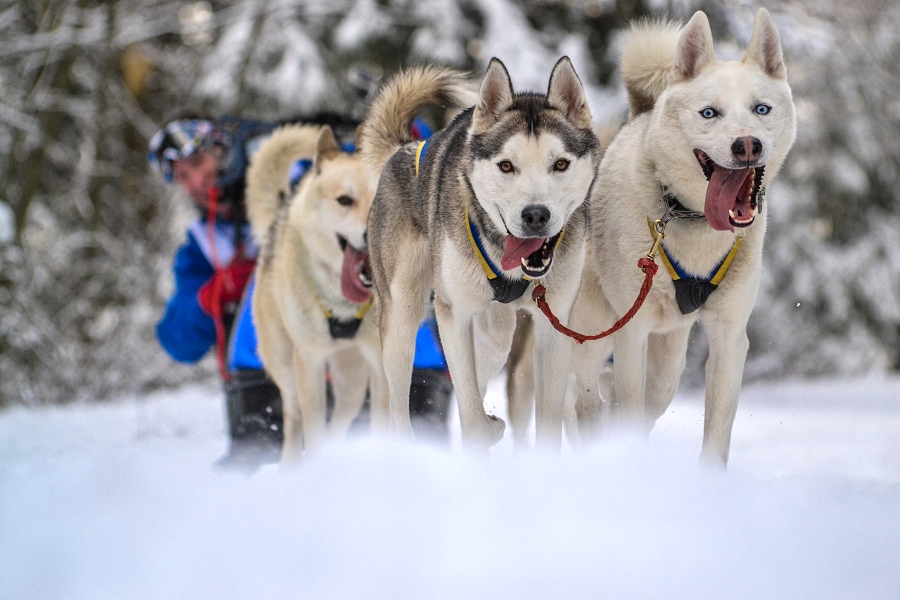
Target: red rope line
{"x":216,"y":307}
{"x":645,"y":264}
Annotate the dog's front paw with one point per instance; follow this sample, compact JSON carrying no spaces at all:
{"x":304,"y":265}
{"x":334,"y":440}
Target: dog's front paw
{"x":714,"y":459}
{"x":484,"y":433}
{"x":402,"y":429}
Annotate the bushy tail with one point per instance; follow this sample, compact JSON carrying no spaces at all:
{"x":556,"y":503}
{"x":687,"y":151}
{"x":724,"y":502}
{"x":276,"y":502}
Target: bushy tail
{"x":268,"y":178}
{"x":387,"y":126}
{"x":648,"y":61}
{"x":606,"y":131}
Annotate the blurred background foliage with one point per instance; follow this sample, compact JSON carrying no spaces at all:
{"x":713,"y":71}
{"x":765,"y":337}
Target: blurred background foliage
{"x":87,"y":234}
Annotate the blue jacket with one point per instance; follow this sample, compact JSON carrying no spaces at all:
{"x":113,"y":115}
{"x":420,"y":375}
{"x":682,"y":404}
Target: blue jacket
{"x":186,"y":332}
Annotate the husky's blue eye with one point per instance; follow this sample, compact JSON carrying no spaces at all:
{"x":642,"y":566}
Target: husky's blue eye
{"x":709,"y":112}
{"x":763,"y":109}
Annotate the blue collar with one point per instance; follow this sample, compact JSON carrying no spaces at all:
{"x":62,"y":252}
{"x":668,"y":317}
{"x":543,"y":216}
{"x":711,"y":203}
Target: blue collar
{"x":505,"y":290}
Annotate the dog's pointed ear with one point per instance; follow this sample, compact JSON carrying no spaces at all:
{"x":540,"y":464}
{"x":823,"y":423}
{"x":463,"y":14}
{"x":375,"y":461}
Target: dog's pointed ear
{"x":495,"y":96}
{"x":326,"y":147}
{"x":695,"y":47}
{"x":765,"y":46}
{"x":566,"y":93}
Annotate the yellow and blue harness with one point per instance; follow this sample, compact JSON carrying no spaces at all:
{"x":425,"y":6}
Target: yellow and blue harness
{"x":505,"y":290}
{"x":691,"y":291}
{"x":341,"y":330}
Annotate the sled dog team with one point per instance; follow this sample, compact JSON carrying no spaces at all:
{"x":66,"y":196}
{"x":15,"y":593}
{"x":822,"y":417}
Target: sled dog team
{"x":511,"y":194}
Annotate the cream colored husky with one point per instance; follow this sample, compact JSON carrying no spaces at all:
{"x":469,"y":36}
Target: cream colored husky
{"x":312,"y":290}
{"x":703,"y":140}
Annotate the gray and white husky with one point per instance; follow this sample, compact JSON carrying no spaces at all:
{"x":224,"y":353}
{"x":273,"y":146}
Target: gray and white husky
{"x":703,"y":140}
{"x":490,"y":204}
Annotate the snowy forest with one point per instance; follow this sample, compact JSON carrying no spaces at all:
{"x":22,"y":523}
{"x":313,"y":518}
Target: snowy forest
{"x":87,"y":232}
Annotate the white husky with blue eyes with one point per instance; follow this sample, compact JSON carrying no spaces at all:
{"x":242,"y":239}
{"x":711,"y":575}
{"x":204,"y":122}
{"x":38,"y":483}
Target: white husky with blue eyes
{"x":703,"y":140}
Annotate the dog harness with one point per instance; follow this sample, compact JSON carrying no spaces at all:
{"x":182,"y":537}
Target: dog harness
{"x":420,"y":153}
{"x":505,"y":290}
{"x":346,"y":330}
{"x":341,"y":330}
{"x":691,"y":292}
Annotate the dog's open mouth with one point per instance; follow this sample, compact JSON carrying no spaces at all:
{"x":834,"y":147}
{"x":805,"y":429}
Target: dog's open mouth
{"x":356,"y":276}
{"x":534,"y":255}
{"x":732,"y":196}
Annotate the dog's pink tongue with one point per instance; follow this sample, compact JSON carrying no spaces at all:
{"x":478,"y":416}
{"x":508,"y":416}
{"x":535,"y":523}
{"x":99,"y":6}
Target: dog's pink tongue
{"x":351,"y":286}
{"x":722,"y":195}
{"x":518,"y":248}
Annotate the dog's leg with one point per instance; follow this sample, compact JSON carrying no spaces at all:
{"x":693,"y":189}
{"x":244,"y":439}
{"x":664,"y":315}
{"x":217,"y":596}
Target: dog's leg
{"x":380,"y":403}
{"x":379,"y":397}
{"x":292,"y":447}
{"x":552,"y":364}
{"x":570,"y":414}
{"x":666,"y":357}
{"x":493,"y":331}
{"x":292,"y":425}
{"x":590,"y":363}
{"x":311,"y":392}
{"x":398,"y":331}
{"x":630,"y":368}
{"x":479,"y":430}
{"x":520,"y":380}
{"x":276,"y":351}
{"x":606,"y":381}
{"x":349,"y":381}
{"x":401,"y":315}
{"x":594,"y":383}
{"x":728,"y":345}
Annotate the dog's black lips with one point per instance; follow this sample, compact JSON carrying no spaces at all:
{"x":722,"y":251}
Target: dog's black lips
{"x":706,"y":163}
{"x":342,"y":243}
{"x":536,"y":267}
{"x":709,"y":165}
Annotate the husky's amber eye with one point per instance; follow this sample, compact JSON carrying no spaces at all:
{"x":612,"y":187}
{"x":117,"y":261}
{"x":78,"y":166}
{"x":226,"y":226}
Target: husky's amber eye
{"x":345,"y":200}
{"x":505,"y":166}
{"x":561,"y":165}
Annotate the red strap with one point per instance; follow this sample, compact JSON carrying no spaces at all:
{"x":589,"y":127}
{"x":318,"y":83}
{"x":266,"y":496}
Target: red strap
{"x":213,"y":198}
{"x":645,"y":264}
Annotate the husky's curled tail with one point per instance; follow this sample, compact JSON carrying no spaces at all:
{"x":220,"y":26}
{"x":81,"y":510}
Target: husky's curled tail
{"x":648,"y":61}
{"x":387,"y":126}
{"x":268,"y":178}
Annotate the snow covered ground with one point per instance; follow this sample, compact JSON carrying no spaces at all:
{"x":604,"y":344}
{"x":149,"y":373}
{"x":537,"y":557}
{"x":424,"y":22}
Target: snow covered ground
{"x":120,"y":501}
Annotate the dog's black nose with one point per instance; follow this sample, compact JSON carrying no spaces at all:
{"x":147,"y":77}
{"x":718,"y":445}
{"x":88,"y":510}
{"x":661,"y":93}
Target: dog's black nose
{"x":746,"y":149}
{"x":535,"y":218}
